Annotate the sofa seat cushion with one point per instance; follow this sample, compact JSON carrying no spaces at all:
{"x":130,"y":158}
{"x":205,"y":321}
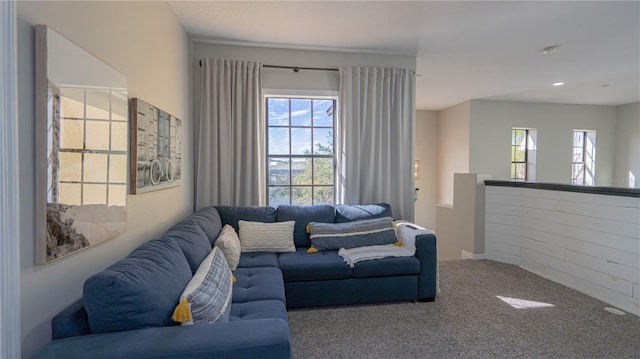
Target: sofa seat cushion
{"x":258,"y":259}
{"x":140,"y":291}
{"x":301,"y":266}
{"x":262,"y":283}
{"x":386,"y":267}
{"x":260,"y":309}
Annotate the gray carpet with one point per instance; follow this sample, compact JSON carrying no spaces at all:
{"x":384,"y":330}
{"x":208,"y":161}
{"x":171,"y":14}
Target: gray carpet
{"x":467,"y":320}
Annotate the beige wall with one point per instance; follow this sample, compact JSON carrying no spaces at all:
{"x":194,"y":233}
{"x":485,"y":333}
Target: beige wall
{"x":491,"y":123}
{"x":453,"y":148}
{"x":627,"y":146}
{"x":426,"y":147}
{"x":145,"y":42}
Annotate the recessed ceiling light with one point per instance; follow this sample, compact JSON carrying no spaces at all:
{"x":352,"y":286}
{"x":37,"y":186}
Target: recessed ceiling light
{"x":550,"y":49}
{"x":558,"y":83}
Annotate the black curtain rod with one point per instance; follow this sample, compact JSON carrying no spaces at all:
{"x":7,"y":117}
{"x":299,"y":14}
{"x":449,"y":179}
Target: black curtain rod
{"x":295,"y":68}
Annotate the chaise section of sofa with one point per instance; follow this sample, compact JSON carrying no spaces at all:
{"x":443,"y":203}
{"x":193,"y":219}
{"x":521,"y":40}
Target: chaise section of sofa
{"x":126,"y":309}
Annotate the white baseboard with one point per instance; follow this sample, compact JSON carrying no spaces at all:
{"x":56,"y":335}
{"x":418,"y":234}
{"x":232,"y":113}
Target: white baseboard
{"x":467,"y":255}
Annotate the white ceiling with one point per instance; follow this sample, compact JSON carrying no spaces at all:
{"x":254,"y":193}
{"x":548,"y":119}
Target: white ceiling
{"x":465,"y":50}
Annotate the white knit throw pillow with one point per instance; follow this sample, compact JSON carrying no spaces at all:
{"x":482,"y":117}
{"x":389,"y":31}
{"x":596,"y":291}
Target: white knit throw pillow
{"x":266,"y":237}
{"x":229,"y":244}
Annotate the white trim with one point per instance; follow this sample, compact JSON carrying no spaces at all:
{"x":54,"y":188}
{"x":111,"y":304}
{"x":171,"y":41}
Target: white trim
{"x":467,"y":255}
{"x":10,"y":334}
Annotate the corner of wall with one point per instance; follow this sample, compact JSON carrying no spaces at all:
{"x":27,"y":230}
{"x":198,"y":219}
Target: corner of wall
{"x":156,"y":61}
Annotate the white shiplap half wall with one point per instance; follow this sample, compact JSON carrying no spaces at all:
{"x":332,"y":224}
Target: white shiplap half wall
{"x":588,"y":242}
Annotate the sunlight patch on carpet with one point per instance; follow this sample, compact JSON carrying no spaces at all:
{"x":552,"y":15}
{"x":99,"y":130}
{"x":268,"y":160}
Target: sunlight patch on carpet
{"x":615,"y":311}
{"x":524,"y":304}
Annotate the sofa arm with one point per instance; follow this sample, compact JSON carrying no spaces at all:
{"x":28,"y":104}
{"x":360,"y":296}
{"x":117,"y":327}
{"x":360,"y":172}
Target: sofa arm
{"x":258,"y":338}
{"x":70,"y":322}
{"x":426,"y":252}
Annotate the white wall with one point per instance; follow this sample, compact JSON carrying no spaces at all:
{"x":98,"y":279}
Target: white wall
{"x":588,"y":242}
{"x":453,"y":148}
{"x":456,"y":223}
{"x":426,"y":152}
{"x":145,"y":42}
{"x":627,"y":146}
{"x":490,"y":141}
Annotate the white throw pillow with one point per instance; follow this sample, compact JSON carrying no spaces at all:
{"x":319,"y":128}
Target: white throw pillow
{"x":207,"y":296}
{"x":229,"y":244}
{"x":266,"y":237}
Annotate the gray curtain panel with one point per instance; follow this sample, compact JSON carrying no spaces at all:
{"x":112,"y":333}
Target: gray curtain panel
{"x":229,"y":155}
{"x":375,"y":138}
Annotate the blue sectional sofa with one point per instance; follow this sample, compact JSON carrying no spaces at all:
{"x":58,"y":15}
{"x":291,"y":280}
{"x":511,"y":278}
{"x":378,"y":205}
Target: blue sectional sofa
{"x":126,"y":309}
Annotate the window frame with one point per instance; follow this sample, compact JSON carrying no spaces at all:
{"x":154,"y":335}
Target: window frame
{"x":526,"y":155}
{"x":586,"y":134}
{"x":308,"y":95}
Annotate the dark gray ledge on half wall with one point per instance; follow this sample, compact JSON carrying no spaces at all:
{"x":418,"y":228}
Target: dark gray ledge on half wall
{"x":610,"y":191}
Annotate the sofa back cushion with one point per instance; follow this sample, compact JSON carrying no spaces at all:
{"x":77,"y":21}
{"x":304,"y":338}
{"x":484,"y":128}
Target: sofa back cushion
{"x":231,"y":215}
{"x":302,"y":215}
{"x":193,"y":241}
{"x":139,"y":291}
{"x":209,"y":219}
{"x":355,"y":212}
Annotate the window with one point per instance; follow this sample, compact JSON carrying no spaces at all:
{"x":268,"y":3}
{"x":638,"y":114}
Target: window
{"x":523,"y":154}
{"x":583,"y":166}
{"x":300,"y":150}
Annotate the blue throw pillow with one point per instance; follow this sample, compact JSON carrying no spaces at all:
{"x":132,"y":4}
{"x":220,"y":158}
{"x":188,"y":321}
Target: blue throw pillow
{"x":368,"y":232}
{"x":355,"y":212}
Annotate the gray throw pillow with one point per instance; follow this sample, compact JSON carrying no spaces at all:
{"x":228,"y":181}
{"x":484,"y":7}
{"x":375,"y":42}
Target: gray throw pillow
{"x":368,"y":232}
